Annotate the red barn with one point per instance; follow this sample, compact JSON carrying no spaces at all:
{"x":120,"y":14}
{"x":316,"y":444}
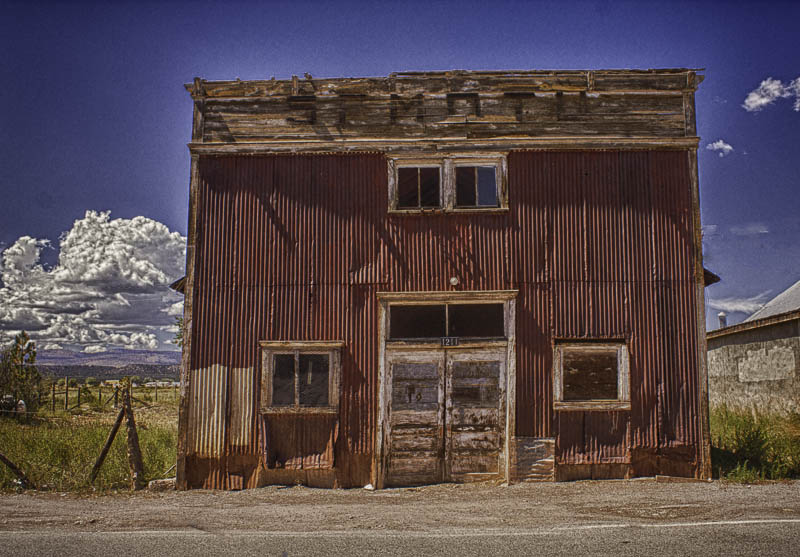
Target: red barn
{"x":444,"y":276}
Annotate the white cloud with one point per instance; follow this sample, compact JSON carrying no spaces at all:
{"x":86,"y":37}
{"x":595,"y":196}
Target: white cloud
{"x":109,"y":288}
{"x":719,"y":145}
{"x":52,"y":346}
{"x":750,"y":229}
{"x":743,"y":305}
{"x":94,"y":349}
{"x":771,"y":90}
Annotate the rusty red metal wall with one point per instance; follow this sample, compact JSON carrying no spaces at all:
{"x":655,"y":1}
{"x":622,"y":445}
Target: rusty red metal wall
{"x":294,"y":247}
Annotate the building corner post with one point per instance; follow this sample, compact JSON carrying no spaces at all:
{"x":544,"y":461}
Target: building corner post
{"x":181,"y":481}
{"x":704,"y":470}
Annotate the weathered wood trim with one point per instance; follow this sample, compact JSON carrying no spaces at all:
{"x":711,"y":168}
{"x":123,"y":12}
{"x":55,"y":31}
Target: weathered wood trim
{"x":511,"y":386}
{"x":464,"y":344}
{"x":477,"y":296}
{"x":461,"y":82}
{"x":199,"y":109}
{"x":379,"y":458}
{"x":702,"y":346}
{"x":332,"y":349}
{"x":445,"y":145}
{"x":301,"y":344}
{"x":594,"y":405}
{"x":188,"y":302}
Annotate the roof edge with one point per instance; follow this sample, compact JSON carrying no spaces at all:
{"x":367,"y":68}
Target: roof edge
{"x":747,"y":325}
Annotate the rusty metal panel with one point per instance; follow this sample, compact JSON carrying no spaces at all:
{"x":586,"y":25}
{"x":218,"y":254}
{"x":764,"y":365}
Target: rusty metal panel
{"x":207,"y":411}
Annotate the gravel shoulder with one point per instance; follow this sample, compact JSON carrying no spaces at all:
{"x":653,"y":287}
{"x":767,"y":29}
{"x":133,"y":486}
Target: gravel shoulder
{"x":438,"y":508}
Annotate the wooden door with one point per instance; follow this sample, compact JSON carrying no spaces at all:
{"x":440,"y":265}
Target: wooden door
{"x":446,"y":416}
{"x":475,"y":401}
{"x":415,"y":429}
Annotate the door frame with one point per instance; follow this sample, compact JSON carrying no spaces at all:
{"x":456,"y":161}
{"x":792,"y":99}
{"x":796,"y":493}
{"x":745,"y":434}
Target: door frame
{"x":385,"y":299}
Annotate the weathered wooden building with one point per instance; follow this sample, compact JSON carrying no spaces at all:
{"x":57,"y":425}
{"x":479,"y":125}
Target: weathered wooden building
{"x":444,"y":276}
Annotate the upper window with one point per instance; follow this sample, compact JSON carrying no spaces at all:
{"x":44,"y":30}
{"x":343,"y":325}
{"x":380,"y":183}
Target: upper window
{"x":300,"y":376}
{"x":591,"y":376}
{"x":447,"y":184}
{"x":418,"y":187}
{"x":476,"y":186}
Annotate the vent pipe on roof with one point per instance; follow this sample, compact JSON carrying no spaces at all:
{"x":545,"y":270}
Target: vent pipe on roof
{"x":723,"y":319}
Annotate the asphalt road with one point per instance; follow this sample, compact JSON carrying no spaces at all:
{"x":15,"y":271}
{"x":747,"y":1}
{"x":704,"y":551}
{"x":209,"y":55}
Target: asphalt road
{"x":756,"y":537}
{"x":575,"y":518}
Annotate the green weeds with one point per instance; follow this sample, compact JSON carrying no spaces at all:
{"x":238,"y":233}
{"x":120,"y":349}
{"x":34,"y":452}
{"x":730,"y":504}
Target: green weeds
{"x":749,"y":447}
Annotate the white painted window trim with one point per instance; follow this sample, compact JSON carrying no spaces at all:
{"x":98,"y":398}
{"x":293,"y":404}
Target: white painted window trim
{"x":623,"y":400}
{"x":330,"y":348}
{"x":447,"y":181}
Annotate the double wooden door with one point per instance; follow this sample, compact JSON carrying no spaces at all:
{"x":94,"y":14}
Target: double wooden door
{"x":446,"y":415}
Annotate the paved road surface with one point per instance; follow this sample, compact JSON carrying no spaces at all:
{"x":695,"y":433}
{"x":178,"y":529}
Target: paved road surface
{"x":580,"y":518}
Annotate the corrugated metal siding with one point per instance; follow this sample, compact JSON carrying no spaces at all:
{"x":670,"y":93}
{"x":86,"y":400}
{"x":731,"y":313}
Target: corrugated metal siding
{"x":599,"y":244}
{"x":612,"y":241}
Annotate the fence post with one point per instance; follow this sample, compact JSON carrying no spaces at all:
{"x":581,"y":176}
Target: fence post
{"x":156,"y":392}
{"x":134,"y":452}
{"x":116,"y":395}
{"x":79,"y":395}
{"x":100,"y":393}
{"x":66,"y":393}
{"x":54,"y":398}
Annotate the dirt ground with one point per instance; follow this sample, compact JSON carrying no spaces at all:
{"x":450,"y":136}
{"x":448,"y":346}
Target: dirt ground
{"x":431,"y":508}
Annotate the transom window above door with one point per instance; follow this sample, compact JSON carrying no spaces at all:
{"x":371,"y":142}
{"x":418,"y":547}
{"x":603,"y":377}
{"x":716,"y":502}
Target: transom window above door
{"x":434,"y":321}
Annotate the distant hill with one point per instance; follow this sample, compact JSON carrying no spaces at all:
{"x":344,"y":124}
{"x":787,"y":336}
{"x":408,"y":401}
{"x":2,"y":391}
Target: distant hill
{"x":114,"y":364}
{"x":115,"y":357}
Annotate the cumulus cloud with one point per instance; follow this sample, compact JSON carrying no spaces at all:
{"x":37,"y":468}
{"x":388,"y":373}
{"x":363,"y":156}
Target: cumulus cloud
{"x":769,"y":91}
{"x":109,"y":287}
{"x":719,"y":145}
{"x":750,"y":229}
{"x":743,"y":305}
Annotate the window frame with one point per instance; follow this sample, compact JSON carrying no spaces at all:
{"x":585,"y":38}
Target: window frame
{"x":447,"y":182}
{"x":476,"y":163}
{"x":623,"y":400}
{"x":269,"y":349}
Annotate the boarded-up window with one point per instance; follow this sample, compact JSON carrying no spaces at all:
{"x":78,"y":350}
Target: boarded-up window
{"x":588,"y":375}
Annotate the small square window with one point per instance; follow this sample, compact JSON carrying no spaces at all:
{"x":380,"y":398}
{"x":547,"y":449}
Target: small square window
{"x":418,"y":187}
{"x":591,"y":376}
{"x":476,"y":186}
{"x":300,"y":376}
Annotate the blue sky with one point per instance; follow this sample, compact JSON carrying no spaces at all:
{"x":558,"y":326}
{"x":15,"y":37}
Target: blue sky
{"x":95,"y":118}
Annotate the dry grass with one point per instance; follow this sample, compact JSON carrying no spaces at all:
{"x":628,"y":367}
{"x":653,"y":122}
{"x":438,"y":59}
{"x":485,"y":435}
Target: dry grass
{"x":58,"y":451}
